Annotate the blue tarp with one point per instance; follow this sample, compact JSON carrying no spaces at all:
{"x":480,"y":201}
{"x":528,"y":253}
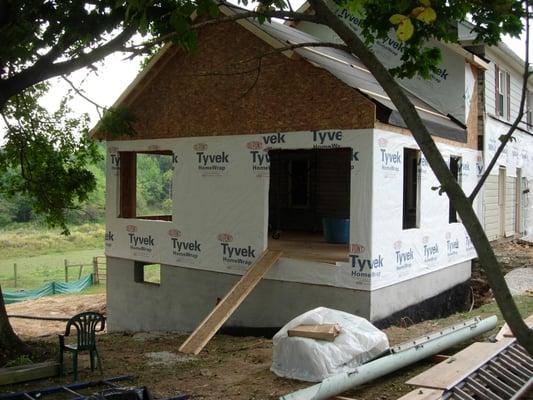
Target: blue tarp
{"x":49,"y":289}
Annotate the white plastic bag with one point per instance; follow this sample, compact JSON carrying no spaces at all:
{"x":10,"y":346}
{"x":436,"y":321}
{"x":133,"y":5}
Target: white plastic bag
{"x":313,"y":360}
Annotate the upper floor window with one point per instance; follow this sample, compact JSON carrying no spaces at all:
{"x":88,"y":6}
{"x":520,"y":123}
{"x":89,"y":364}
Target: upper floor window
{"x":503,"y":93}
{"x":529,"y":110}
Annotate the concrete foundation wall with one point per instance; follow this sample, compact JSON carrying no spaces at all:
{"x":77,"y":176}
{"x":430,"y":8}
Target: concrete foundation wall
{"x":390,"y":299}
{"x":185,"y":296}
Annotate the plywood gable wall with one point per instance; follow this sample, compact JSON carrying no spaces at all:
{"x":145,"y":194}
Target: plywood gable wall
{"x":225,"y":87}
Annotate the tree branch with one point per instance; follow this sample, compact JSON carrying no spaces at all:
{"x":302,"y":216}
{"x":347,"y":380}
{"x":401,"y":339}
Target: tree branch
{"x":505,"y":139}
{"x":45,"y":68}
{"x":80,"y":93}
{"x":438,"y":165}
{"x":286,"y":15}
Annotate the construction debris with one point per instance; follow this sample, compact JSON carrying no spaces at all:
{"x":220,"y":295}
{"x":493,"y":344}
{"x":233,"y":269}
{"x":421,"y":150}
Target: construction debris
{"x":506,"y":372}
{"x":308,"y":359}
{"x":505,"y":331}
{"x":399,"y":357}
{"x":109,"y":390}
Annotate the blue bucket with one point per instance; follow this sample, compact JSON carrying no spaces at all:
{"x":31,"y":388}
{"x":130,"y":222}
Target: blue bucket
{"x":336,"y":230}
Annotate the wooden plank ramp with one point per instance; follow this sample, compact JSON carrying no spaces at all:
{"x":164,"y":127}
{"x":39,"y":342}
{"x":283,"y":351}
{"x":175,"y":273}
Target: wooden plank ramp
{"x":223,"y":310}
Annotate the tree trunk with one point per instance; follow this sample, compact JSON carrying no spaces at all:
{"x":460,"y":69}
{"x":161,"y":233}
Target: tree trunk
{"x":486,"y":255}
{"x":10,"y":344}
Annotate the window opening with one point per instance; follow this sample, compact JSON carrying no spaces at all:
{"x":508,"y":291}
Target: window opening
{"x":455,"y":169}
{"x":147,"y":273}
{"x":503,"y":83}
{"x":411,"y":188}
{"x":529,"y":113}
{"x":146,"y":185}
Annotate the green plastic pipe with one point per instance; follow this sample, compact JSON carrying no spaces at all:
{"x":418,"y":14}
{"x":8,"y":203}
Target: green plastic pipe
{"x":403,"y":355}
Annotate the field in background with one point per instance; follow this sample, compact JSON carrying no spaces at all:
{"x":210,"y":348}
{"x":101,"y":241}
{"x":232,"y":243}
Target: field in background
{"x":40,"y":253}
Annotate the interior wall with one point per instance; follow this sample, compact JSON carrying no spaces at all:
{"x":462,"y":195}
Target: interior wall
{"x":327,"y":182}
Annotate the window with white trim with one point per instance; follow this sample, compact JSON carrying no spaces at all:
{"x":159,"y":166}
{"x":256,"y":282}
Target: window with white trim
{"x":528,"y":110}
{"x":503,"y":93}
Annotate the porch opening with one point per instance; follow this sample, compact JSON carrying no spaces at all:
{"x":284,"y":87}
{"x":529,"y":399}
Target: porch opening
{"x":309,"y":203}
{"x":146,"y":185}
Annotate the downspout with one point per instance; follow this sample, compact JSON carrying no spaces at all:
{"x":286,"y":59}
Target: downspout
{"x":402,"y":355}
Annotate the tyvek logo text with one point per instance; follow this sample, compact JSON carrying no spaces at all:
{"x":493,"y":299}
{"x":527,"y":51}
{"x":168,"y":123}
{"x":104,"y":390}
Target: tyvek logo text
{"x":181,"y":248}
{"x":360,"y":264}
{"x":138,"y":242}
{"x":321,"y":137}
{"x":237,"y":255}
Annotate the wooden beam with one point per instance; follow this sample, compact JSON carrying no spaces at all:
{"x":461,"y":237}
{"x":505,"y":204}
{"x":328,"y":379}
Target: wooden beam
{"x":453,"y":370}
{"x":423,"y":394}
{"x":225,"y":308}
{"x":128,"y":184}
{"x":24,"y":373}
{"x":322,"y":332}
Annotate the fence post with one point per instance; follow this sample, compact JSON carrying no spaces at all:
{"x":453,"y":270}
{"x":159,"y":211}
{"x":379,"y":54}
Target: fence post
{"x":15,"y":273}
{"x":95,"y":271}
{"x":79,"y":275}
{"x":66,"y":270}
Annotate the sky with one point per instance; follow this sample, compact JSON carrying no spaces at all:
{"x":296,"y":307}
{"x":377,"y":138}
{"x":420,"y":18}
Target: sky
{"x":115,"y":73}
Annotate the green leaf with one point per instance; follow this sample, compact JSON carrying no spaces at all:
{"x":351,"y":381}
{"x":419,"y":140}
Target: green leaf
{"x":427,"y":16}
{"x":405,"y":30}
{"x":397,"y":19}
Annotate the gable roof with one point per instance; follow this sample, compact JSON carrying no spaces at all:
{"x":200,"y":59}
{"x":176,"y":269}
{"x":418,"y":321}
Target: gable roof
{"x":344,"y":66}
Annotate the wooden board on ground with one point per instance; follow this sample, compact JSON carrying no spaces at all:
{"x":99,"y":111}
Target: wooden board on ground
{"x":342,"y":398}
{"x":450,"y":372}
{"x":322,"y":332}
{"x":505,"y":331}
{"x":223,"y":310}
{"x":24,"y":373}
{"x":423,"y":394}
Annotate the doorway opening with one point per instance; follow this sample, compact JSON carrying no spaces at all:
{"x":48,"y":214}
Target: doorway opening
{"x":309,"y":203}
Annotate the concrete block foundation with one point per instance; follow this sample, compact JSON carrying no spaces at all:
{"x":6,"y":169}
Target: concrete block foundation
{"x":185,"y":296}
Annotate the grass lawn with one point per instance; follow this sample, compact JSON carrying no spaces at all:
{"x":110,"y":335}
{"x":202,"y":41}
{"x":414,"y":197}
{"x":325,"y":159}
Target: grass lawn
{"x":40,"y":254}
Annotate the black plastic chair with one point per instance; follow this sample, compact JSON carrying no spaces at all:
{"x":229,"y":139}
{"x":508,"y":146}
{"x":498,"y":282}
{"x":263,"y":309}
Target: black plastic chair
{"x":86,"y":324}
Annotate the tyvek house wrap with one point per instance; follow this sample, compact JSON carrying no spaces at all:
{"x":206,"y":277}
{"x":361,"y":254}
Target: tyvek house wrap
{"x":222,"y":207}
{"x":444,"y":90}
{"x":352,"y":72}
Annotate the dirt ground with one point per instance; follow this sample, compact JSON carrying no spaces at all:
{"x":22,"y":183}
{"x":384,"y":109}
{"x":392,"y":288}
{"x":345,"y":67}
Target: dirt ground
{"x":60,"y":306}
{"x":231,"y":367}
{"x":511,"y":254}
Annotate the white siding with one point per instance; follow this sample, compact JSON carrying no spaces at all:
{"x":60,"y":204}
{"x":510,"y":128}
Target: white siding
{"x":516,"y":86}
{"x":510,"y":206}
{"x":491,"y":208}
